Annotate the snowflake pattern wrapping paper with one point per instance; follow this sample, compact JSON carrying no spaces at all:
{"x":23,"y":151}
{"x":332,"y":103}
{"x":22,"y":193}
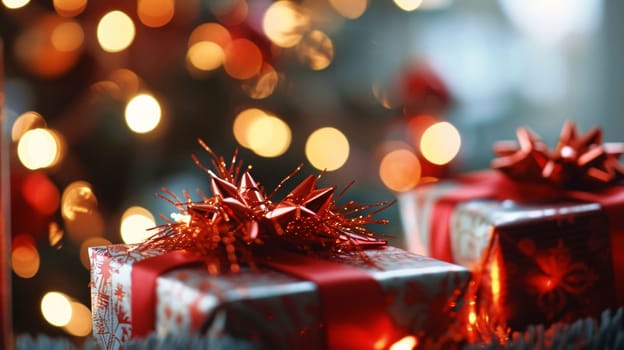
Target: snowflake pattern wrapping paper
{"x":270,"y":308}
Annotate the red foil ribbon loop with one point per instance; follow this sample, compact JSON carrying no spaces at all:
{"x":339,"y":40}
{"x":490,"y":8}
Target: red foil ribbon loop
{"x":352,"y":303}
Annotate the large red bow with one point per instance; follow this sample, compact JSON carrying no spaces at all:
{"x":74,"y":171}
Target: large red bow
{"x":578,"y":161}
{"x":225,"y":227}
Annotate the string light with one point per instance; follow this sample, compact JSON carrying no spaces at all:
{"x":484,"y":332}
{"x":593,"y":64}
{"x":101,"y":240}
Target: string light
{"x":408,"y":5}
{"x":243,"y":59}
{"x":69,"y":8}
{"x":284,"y":23}
{"x":268,"y":136}
{"x":79,"y":324}
{"x":350,"y":9}
{"x":38,"y":148}
{"x":115,"y":31}
{"x":25,"y":258}
{"x":440,"y":143}
{"x":143,"y":113}
{"x":15,"y":4}
{"x":56,"y":308}
{"x":400,"y":170}
{"x":243,"y":122}
{"x":155,"y":13}
{"x":316,"y":50}
{"x":135,"y":223}
{"x":327,"y":149}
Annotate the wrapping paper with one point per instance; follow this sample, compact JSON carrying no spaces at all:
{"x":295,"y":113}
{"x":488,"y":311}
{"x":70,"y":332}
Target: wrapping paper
{"x":541,"y":256}
{"x":269,"y":308}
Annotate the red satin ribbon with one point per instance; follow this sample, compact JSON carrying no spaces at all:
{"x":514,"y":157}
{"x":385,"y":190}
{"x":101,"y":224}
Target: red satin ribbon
{"x":494,"y":185}
{"x":353,"y":306}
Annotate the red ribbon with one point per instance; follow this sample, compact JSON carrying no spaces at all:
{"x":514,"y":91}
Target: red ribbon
{"x":353,"y":306}
{"x":494,"y":185}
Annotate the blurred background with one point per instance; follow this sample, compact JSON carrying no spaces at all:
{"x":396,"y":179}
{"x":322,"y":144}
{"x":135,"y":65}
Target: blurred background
{"x":105,"y":101}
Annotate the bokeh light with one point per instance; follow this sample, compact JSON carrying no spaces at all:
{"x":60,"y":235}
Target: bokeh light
{"x":213,"y":32}
{"x":206,"y":55}
{"x":408,"y":5}
{"x":55,"y":234}
{"x":350,"y":9}
{"x":39,"y":148}
{"x":243,"y":122}
{"x":243,"y":59}
{"x":80,"y":213}
{"x":115,"y":31}
{"x":26,"y":121}
{"x":80,"y":323}
{"x":327,"y":149}
{"x":400,"y":170}
{"x":408,"y":342}
{"x":284,"y":23}
{"x":25,"y":258}
{"x":78,"y":198}
{"x":315,"y":50}
{"x":263,"y":84}
{"x":37,"y":47}
{"x":67,"y":36}
{"x":155,"y":13}
{"x":15,"y":4}
{"x":69,"y":8}
{"x":440,"y":143}
{"x":56,"y":308}
{"x":135,"y":223}
{"x":269,"y":136}
{"x":143,"y":113}
{"x":91,"y":242}
{"x":40,"y":193}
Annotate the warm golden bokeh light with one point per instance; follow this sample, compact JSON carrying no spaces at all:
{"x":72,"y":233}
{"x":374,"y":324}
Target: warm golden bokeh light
{"x":315,"y":50}
{"x":408,"y":5}
{"x":26,"y":121}
{"x":143,"y":113}
{"x":243,"y":122}
{"x":39,"y":148}
{"x":284,"y":23}
{"x":406,"y":343}
{"x":115,"y":31}
{"x":91,"y":242}
{"x":243,"y":59}
{"x":40,"y":193}
{"x":440,"y":143}
{"x":69,"y":8}
{"x":205,"y":55}
{"x":268,"y":136}
{"x":80,"y":213}
{"x":213,"y":32}
{"x":25,"y":259}
{"x":135,"y":223}
{"x":80,"y":322}
{"x":77,"y":198}
{"x":263,"y":84}
{"x":417,"y":125}
{"x":327,"y":149}
{"x":55,"y":234}
{"x":67,"y":36}
{"x":350,"y":9}
{"x":56,"y":308}
{"x":400,"y":170}
{"x":15,"y":4}
{"x":155,"y":13}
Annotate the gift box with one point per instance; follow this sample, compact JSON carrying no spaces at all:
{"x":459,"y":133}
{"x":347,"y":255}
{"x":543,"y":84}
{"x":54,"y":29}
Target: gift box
{"x":267,"y":306}
{"x":544,"y":247}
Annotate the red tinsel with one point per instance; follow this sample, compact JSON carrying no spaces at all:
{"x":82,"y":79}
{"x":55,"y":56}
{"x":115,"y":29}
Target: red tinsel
{"x":239,"y":218}
{"x":578,"y":161}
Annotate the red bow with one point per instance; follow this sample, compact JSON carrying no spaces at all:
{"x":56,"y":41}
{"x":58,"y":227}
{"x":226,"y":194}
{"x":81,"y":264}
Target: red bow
{"x":577,"y":162}
{"x":239,"y":216}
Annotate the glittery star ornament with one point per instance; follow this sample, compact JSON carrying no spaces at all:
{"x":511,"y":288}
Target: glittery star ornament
{"x":577,"y":162}
{"x":230,"y":226}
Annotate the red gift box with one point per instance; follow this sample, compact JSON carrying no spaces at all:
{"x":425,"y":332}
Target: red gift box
{"x":269,"y":307}
{"x":542,"y":255}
